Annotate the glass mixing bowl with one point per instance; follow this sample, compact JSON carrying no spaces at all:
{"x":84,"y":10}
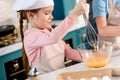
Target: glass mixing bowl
{"x":98,"y":57}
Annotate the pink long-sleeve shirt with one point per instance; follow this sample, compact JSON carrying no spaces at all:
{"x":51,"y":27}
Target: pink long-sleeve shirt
{"x":35,"y":40}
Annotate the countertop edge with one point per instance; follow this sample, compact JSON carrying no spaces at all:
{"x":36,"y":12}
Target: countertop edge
{"x":10,"y":48}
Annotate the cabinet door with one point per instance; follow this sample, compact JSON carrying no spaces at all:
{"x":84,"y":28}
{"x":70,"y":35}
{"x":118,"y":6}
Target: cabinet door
{"x":71,"y":39}
{"x":68,"y":6}
{"x":58,"y":12}
{"x":6,"y":58}
{"x":62,"y":8}
{"x":81,"y":35}
{"x":14,"y":69}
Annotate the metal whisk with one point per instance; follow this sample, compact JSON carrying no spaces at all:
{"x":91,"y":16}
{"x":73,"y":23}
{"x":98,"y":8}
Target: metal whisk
{"x":91,"y":34}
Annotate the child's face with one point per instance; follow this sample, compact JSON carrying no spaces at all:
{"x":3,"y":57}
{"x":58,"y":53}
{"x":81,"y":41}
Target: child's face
{"x":44,"y":17}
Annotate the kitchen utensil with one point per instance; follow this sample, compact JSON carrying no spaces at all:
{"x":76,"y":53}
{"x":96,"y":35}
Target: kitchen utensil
{"x":8,"y":35}
{"x":6,"y":29}
{"x":91,"y":33}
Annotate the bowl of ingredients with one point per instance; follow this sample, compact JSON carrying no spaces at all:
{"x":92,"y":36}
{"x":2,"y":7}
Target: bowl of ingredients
{"x":97,"y":55}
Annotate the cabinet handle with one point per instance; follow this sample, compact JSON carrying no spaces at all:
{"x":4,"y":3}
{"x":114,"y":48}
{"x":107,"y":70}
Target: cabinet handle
{"x":83,"y":37}
{"x":16,"y":66}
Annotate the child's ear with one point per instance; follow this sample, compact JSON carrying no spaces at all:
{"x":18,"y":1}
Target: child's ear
{"x":30,"y":15}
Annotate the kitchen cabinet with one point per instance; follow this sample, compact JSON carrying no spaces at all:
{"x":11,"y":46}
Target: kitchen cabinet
{"x":81,"y":35}
{"x":76,"y":37}
{"x":62,"y":8}
{"x":11,"y":67}
{"x":71,"y":39}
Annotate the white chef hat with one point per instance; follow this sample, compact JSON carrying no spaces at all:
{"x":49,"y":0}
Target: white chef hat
{"x":31,"y":4}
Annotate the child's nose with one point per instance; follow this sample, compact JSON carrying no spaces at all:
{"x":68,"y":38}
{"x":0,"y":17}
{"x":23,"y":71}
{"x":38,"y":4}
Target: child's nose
{"x":51,"y":16}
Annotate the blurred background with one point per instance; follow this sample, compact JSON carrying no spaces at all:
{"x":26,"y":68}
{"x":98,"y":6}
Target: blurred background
{"x":7,"y":14}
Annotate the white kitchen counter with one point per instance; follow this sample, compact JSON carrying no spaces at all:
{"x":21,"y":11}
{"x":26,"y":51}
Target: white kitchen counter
{"x":114,"y":62}
{"x":11,"y":48}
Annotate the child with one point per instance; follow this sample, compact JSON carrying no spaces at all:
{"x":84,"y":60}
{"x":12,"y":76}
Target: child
{"x":43,"y":45}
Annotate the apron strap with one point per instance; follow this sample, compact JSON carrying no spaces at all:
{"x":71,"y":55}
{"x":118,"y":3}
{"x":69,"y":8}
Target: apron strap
{"x":111,"y":4}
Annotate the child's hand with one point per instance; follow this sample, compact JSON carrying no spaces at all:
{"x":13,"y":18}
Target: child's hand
{"x":78,"y":10}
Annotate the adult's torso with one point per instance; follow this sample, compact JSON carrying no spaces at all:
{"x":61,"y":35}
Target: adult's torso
{"x":110,"y":11}
{"x":101,"y":7}
{"x":113,"y":18}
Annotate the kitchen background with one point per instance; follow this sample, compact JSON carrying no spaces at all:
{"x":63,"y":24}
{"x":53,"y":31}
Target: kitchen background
{"x":11,"y":67}
{"x":7,"y":14}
